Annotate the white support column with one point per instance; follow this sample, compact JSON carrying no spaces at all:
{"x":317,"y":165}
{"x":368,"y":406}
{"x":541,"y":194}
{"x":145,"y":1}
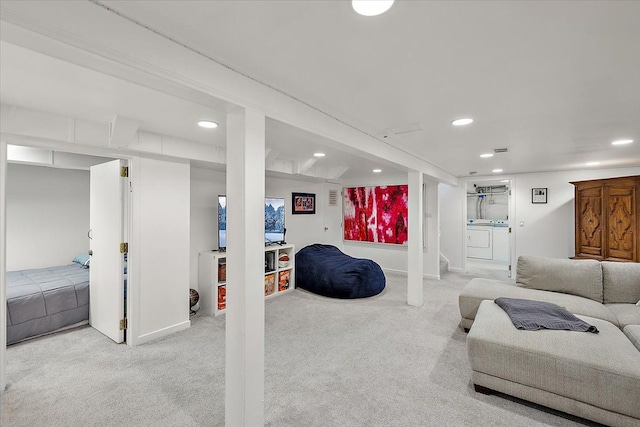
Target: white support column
{"x":432,"y":230}
{"x":415,"y":257}
{"x":244,"y":374}
{"x":3,"y":264}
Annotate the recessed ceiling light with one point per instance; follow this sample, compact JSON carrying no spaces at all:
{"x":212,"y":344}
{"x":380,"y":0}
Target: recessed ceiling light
{"x":371,"y":7}
{"x":462,"y":122}
{"x":593,"y":163}
{"x":207,"y":124}
{"x":486,"y":155}
{"x":496,"y":170}
{"x":622,"y":142}
{"x":318,"y":154}
{"x":377,"y":170}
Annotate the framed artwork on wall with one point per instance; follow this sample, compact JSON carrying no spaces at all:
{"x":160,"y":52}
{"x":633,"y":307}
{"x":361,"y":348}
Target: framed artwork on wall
{"x":376,"y":214}
{"x":538,"y":195}
{"x":303,"y":203}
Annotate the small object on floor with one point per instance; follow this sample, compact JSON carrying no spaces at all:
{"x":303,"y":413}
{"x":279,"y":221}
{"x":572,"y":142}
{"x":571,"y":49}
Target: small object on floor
{"x":194,"y":297}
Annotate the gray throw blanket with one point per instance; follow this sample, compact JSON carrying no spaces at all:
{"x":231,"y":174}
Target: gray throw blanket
{"x":534,"y":315}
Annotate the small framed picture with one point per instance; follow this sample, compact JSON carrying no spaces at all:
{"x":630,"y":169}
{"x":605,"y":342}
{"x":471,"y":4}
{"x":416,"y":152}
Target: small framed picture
{"x":538,"y":195}
{"x":303,"y":203}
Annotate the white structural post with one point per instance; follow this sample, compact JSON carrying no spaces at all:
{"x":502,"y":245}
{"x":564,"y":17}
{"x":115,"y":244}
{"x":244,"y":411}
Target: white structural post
{"x":415,"y":258}
{"x":244,"y":372}
{"x":432,"y":230}
{"x":3,"y":265}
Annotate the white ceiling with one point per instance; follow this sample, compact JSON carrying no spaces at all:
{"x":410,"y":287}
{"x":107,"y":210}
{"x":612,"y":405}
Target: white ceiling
{"x":555,"y":82}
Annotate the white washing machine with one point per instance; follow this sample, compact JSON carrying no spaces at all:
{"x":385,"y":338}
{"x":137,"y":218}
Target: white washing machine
{"x":480,"y":238}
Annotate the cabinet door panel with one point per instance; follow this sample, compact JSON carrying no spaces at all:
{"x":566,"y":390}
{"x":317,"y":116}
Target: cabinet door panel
{"x":590,"y":221}
{"x":622,"y":224}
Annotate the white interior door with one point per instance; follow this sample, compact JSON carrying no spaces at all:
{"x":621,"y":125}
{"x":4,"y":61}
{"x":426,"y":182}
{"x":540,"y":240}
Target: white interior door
{"x":106,"y":289}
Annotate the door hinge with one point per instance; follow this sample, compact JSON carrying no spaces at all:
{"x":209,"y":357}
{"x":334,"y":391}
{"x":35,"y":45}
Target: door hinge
{"x":124,"y":248}
{"x":124,"y":171}
{"x":509,"y":267}
{"x":509,"y":229}
{"x":123,"y":324}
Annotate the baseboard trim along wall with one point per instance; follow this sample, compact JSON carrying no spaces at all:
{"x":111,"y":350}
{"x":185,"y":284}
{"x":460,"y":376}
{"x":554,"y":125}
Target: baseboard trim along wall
{"x":142,"y":339}
{"x":404,"y":273}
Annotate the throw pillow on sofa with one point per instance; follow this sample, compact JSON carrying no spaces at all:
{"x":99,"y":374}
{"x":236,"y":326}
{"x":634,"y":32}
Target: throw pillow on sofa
{"x":576,"y":277}
{"x":621,"y":282}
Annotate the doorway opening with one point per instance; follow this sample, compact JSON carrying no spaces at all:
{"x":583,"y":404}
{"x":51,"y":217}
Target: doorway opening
{"x":49,"y":262}
{"x":488,"y":228}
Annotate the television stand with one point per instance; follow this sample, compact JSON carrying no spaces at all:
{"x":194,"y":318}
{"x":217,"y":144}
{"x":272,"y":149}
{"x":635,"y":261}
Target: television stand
{"x":279,"y":277}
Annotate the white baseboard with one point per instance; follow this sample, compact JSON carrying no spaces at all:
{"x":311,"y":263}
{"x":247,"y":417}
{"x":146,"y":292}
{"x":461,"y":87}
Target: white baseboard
{"x":162,"y":332}
{"x":404,"y":273}
{"x":391,"y":270}
{"x":456,"y":269}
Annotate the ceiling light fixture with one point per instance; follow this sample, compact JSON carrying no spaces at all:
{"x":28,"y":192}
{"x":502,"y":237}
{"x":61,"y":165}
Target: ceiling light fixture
{"x":318,"y":154}
{"x":505,"y":180}
{"x":593,"y":163}
{"x":496,"y":170}
{"x":622,"y":142}
{"x":371,"y":7}
{"x":462,"y":122}
{"x":377,"y":170}
{"x":208,"y":124}
{"x":486,"y":155}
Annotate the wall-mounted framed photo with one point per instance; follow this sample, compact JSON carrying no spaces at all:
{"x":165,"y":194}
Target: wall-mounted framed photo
{"x":538,"y":195}
{"x":303,"y":203}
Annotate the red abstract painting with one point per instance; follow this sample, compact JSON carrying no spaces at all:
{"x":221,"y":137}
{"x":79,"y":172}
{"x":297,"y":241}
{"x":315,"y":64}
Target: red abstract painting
{"x":376,"y":214}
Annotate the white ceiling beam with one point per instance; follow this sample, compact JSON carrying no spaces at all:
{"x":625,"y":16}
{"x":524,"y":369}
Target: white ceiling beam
{"x":304,"y":166}
{"x":122,"y":131}
{"x":270,"y":156}
{"x":76,"y":25}
{"x":336,"y":172}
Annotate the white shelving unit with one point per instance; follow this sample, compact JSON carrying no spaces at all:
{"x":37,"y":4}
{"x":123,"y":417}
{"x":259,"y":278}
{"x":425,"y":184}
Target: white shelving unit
{"x":279,"y":276}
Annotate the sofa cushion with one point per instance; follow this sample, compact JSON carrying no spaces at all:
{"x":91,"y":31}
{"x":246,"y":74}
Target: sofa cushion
{"x":602,"y":369}
{"x":621,"y":282}
{"x":626,"y":314}
{"x":570,"y":276}
{"x":479,"y":289}
{"x":633,"y":333}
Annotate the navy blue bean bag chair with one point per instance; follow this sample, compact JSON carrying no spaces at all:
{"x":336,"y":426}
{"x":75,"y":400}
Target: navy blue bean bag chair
{"x":327,"y":271}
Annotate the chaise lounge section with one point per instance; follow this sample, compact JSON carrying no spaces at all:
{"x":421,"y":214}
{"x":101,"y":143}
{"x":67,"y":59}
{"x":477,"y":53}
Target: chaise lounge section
{"x":594,"y":376}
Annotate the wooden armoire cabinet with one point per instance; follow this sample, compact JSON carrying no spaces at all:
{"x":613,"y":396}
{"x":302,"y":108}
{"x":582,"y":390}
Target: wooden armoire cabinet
{"x":608,"y":219}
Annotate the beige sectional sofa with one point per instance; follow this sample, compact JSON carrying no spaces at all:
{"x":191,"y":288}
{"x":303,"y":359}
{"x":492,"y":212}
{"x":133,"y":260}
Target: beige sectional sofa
{"x":594,"y":376}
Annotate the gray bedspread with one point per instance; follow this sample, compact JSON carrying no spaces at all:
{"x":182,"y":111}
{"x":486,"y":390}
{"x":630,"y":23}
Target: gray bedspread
{"x":534,"y":315}
{"x":46,"y":299}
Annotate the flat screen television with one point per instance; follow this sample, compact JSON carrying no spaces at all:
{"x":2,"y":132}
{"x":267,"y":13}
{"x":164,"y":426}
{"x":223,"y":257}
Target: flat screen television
{"x":273,"y":221}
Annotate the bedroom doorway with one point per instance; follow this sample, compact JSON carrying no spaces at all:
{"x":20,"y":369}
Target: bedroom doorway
{"x":48,"y":225}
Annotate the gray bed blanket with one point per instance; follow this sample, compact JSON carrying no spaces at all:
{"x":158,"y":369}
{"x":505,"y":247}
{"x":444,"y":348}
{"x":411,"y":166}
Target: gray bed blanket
{"x":45,"y":300}
{"x":534,"y":315}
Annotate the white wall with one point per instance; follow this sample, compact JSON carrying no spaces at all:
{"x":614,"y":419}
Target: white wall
{"x":302,"y":230}
{"x":394,"y":257}
{"x":47,"y":216}
{"x":159,"y":264}
{"x":452,"y":215}
{"x":206,"y":185}
{"x":548,"y":228}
